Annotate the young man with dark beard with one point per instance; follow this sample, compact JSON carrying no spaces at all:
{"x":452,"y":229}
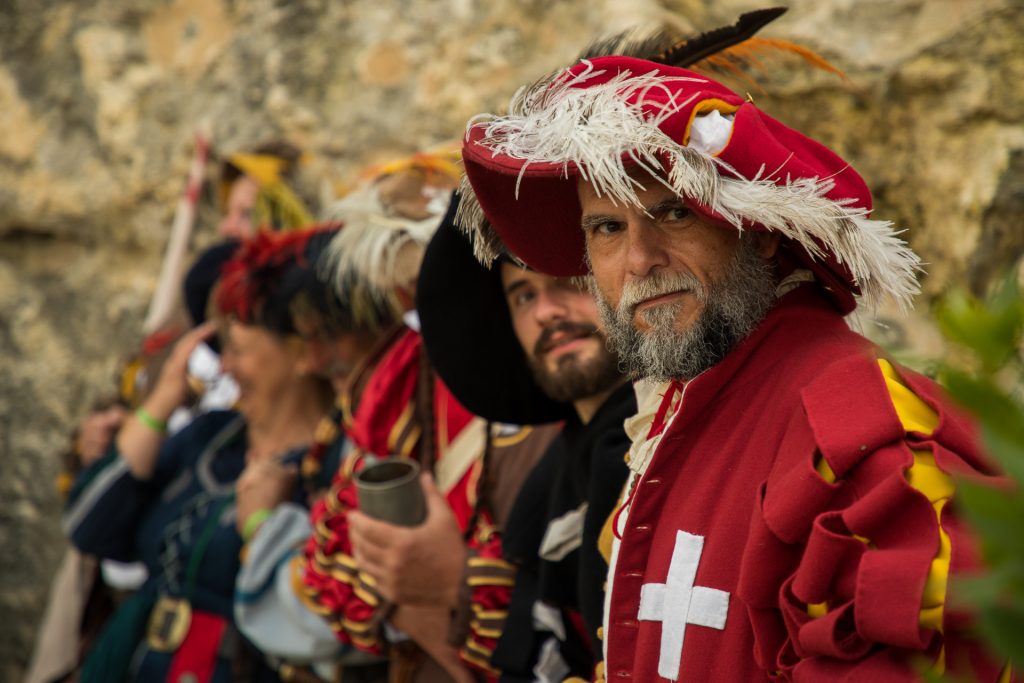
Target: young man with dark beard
{"x":516,"y":346}
{"x":392,"y":590}
{"x":787,"y":516}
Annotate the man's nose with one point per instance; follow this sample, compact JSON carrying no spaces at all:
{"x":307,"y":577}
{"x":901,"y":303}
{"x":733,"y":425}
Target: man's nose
{"x":644,"y":252}
{"x":549,"y":307}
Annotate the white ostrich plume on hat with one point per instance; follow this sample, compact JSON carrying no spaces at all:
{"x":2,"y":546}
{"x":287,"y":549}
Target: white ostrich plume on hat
{"x":604,"y":129}
{"x":378,"y":250}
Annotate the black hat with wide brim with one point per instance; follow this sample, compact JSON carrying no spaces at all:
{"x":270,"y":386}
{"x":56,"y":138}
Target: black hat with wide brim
{"x":469,"y":337}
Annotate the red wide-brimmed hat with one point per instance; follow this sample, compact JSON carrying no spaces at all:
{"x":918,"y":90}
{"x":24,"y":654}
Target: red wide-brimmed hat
{"x":733,"y":164}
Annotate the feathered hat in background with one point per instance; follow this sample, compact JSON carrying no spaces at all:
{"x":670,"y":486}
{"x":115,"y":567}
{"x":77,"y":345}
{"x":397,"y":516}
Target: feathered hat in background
{"x":275,"y":167}
{"x":732,"y":163}
{"x":389,"y":218}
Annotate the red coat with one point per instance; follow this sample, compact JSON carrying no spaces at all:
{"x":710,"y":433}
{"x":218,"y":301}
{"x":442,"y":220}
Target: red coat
{"x":733,"y":532}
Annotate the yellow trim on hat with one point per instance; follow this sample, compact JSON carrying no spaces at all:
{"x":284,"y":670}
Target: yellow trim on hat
{"x":447,"y":163}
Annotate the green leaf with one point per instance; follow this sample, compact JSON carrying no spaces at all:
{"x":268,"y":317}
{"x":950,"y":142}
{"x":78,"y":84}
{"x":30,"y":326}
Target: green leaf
{"x":1000,"y":418}
{"x":985,"y":400}
{"x":1003,"y":628}
{"x":992,"y":331}
{"x":1007,"y":301}
{"x":996,"y":516}
{"x":1006,"y":448}
{"x":978,"y":591}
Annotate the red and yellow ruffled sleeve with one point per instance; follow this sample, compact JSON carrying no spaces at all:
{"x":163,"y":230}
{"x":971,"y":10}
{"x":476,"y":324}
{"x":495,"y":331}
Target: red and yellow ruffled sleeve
{"x":488,"y":582}
{"x":856,"y":525}
{"x":331,"y":585}
{"x":383,"y":423}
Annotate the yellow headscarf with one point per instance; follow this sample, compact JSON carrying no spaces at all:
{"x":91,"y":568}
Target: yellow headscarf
{"x":277,"y":207}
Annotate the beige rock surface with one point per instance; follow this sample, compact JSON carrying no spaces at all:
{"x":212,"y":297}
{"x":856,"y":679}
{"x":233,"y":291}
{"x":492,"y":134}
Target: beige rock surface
{"x":98,"y":101}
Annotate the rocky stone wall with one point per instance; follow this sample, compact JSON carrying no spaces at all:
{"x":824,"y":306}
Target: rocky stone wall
{"x":98,"y":102}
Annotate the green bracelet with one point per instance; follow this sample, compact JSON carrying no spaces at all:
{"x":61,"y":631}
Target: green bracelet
{"x":253,"y":522}
{"x":143,"y":416}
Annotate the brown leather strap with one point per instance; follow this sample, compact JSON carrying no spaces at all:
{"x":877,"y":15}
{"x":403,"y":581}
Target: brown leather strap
{"x":424,"y":412}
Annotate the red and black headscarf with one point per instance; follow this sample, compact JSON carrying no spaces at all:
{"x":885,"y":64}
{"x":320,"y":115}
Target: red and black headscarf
{"x":260,"y":284}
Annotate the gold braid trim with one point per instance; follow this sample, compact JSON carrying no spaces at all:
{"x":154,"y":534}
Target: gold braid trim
{"x":490,"y":562}
{"x":365,"y":642}
{"x":357,"y":627}
{"x":371,"y":599}
{"x":481,"y":630}
{"x":477,"y":581}
{"x":343,"y":560}
{"x":306,"y":594}
{"x":489,"y":572}
{"x":478,"y":656}
{"x":481,"y":613}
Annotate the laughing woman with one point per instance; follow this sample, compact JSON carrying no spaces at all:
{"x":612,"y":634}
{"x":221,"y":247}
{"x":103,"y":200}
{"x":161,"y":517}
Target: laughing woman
{"x":171,"y":501}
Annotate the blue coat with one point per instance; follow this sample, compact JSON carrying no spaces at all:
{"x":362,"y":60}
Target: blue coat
{"x":159,"y":522}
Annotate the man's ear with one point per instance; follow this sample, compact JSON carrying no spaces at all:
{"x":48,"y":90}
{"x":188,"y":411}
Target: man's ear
{"x":300,"y":355}
{"x":767,"y":243}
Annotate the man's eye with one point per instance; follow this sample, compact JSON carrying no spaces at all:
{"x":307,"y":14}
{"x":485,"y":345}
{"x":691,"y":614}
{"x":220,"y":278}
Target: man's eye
{"x":607,"y":228}
{"x":678,"y":213}
{"x":522,"y":298}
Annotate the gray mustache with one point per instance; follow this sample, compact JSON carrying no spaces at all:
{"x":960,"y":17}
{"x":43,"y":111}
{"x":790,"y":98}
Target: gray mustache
{"x":638,"y":291}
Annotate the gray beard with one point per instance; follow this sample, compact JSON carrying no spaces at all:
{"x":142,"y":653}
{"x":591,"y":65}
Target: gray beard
{"x":731,"y":308}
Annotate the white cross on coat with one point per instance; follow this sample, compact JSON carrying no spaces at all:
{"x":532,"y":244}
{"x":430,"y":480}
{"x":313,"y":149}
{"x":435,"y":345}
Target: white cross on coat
{"x":677,"y":602}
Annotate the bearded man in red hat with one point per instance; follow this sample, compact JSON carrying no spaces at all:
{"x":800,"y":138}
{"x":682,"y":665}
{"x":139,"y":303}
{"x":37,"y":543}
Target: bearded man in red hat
{"x":788,"y":516}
